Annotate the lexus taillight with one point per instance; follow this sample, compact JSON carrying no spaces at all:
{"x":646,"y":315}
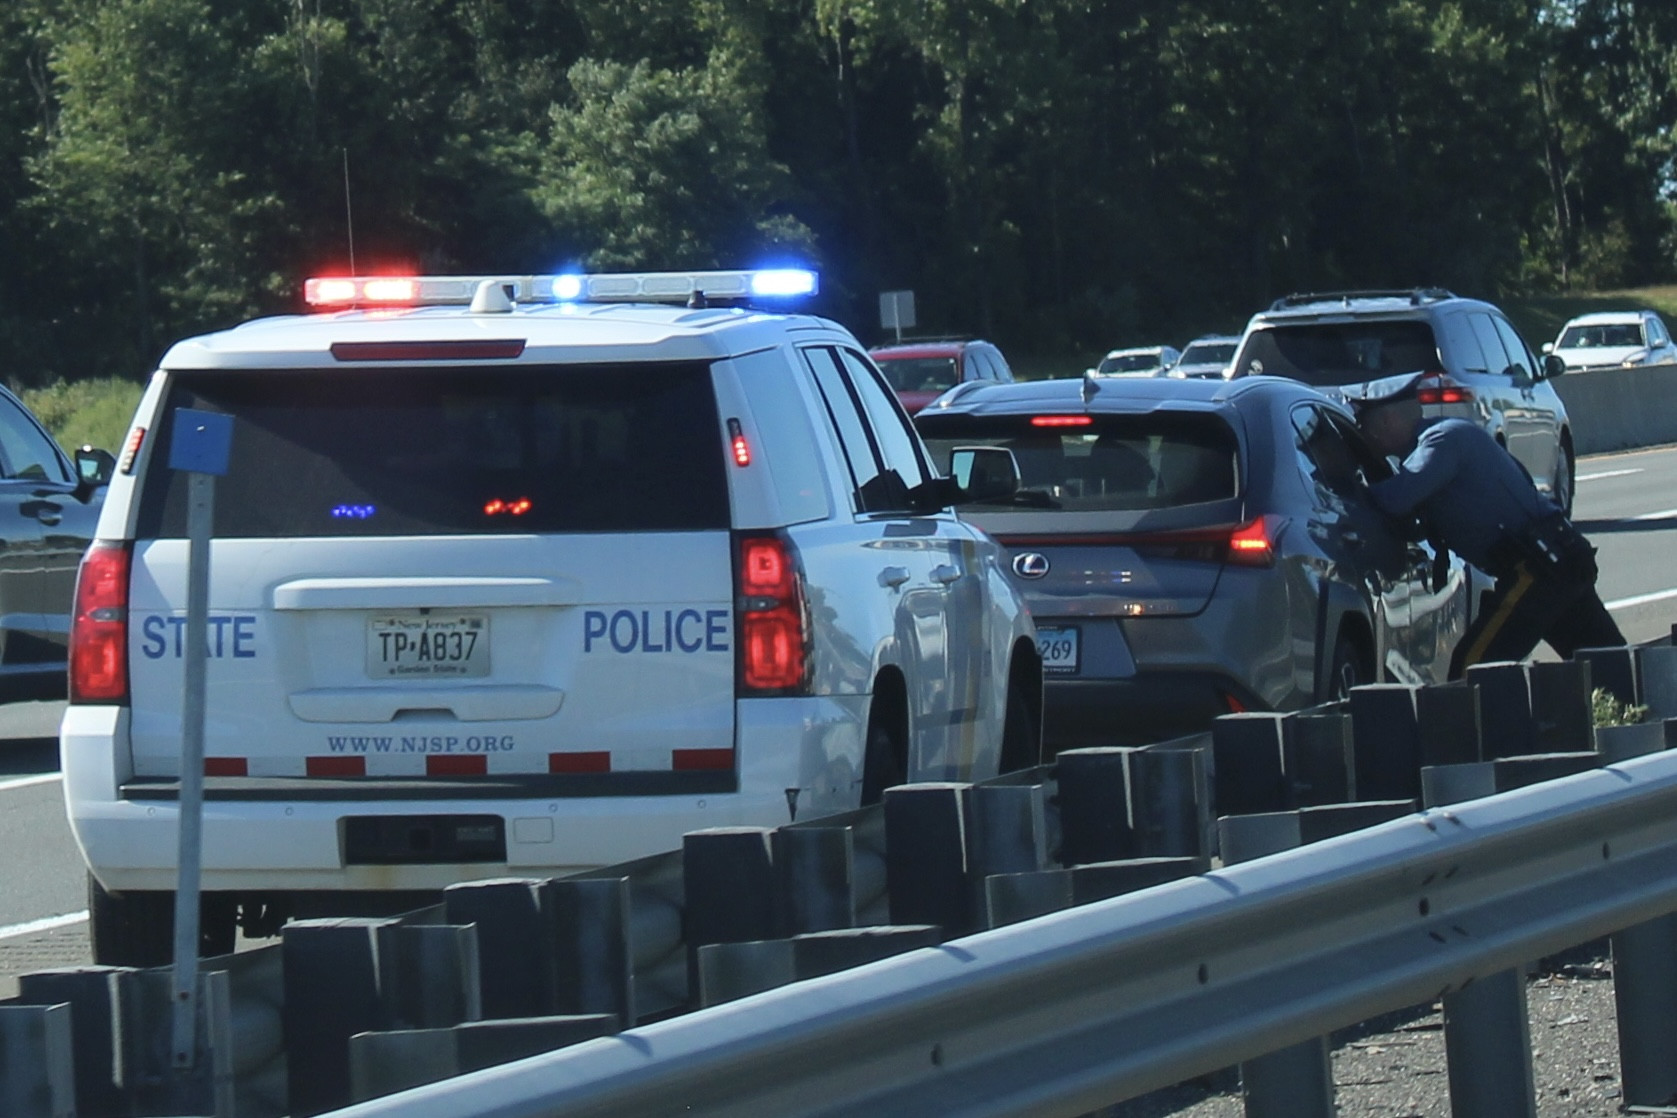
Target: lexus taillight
{"x":99,"y":629}
{"x":1251,"y":545}
{"x":1440,"y":389}
{"x":773,"y":626}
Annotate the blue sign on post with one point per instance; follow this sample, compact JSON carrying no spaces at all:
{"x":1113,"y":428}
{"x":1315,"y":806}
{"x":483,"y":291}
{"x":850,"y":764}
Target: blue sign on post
{"x":202,"y":443}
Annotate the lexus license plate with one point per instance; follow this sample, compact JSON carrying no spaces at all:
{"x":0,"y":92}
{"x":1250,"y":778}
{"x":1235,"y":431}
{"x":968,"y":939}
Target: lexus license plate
{"x":1060,"y":649}
{"x":422,"y":646}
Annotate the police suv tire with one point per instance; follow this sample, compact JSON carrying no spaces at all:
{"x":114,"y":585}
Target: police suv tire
{"x":1566,"y":480}
{"x":137,"y":928}
{"x":1021,"y":732}
{"x":884,"y":760}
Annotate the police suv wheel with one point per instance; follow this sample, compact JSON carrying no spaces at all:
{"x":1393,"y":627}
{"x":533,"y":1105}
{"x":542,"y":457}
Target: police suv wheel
{"x":137,"y":928}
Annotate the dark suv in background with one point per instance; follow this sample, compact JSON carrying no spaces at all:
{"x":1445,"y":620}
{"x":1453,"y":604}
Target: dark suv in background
{"x":1477,"y":365}
{"x":921,"y":371}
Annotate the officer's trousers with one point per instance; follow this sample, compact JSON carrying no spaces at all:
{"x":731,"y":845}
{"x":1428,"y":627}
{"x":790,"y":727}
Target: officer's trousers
{"x":1525,"y":607}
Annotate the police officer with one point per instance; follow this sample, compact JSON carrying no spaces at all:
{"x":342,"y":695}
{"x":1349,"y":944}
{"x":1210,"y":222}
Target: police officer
{"x":1474,"y":498}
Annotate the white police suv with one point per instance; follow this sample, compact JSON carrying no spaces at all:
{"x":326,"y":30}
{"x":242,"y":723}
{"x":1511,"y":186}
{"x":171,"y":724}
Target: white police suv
{"x":524,"y":575}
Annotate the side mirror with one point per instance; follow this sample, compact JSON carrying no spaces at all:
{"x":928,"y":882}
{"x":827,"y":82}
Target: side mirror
{"x":983,"y":473}
{"x":1553,"y":366}
{"x":1548,"y":347}
{"x":94,"y":467}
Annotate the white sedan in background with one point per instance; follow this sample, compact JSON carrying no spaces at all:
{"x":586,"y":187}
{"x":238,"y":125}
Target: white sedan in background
{"x":1614,"y":339}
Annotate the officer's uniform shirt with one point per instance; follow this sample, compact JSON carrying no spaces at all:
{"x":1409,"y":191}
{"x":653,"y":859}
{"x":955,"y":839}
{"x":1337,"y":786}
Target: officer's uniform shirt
{"x":1470,"y":490}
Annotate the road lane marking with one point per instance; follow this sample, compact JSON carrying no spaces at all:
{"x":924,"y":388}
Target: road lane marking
{"x":1663,"y":514}
{"x":1641,"y":599}
{"x":1608,"y":473}
{"x":44,"y":924}
{"x":26,"y":781}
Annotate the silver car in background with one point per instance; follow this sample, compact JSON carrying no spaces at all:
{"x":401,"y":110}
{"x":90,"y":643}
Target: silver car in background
{"x":1195,"y":548}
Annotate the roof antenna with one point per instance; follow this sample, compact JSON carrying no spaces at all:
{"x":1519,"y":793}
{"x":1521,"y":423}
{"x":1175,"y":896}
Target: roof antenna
{"x":349,"y":214}
{"x":697,"y":300}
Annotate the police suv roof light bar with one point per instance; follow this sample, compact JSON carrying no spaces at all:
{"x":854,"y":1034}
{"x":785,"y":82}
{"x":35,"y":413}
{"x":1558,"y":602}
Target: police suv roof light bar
{"x":597,"y":287}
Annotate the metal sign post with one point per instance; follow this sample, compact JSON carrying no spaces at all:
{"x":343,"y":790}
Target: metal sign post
{"x":200,"y":447}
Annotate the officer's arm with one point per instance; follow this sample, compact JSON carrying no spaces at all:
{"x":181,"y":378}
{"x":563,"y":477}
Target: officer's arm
{"x":1430,"y":467}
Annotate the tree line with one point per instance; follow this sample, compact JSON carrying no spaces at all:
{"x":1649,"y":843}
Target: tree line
{"x":1058,"y":175}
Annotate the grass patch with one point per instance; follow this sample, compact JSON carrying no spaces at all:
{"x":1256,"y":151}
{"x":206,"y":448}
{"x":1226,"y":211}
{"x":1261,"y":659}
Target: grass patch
{"x":1540,"y":318}
{"x":86,"y":412}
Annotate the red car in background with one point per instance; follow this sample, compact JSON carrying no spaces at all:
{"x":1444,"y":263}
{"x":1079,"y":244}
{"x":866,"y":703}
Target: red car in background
{"x":921,"y":371}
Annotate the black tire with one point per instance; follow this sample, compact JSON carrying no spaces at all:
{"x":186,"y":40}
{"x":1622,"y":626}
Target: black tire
{"x":1349,"y":668}
{"x":885,"y":761}
{"x":1021,"y":732}
{"x":1566,"y":479}
{"x":137,"y":928}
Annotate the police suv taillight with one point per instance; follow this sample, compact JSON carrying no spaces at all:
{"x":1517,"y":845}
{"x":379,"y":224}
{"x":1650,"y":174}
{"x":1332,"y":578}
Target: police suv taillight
{"x":99,"y":627}
{"x":772,"y":621}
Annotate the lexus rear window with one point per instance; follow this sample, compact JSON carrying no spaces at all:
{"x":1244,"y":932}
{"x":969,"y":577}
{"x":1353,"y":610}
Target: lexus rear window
{"x":446,"y":451}
{"x":919,"y":374}
{"x":1115,"y":462}
{"x":1340,"y":353}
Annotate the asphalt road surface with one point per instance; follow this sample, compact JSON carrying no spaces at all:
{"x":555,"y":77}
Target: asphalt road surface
{"x":1627,"y":504}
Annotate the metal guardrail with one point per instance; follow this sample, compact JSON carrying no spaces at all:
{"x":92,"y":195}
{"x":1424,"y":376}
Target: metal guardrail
{"x":1072,"y":1011}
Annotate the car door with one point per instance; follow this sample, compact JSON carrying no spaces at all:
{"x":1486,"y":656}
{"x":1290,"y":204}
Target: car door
{"x":1362,"y":550}
{"x":893,"y":561}
{"x":1534,"y":435}
{"x":45,"y":525}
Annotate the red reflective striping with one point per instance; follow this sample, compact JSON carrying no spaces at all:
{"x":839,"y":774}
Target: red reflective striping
{"x":472,"y":350}
{"x":336,"y":766}
{"x":686,"y":760}
{"x":470,"y":764}
{"x":226,"y":766}
{"x":591,"y":762}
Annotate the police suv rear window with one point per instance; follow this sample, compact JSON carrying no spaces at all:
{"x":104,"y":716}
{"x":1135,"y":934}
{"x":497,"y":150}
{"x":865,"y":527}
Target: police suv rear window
{"x":1334,"y":354}
{"x":429,"y":451}
{"x":1089,"y":463}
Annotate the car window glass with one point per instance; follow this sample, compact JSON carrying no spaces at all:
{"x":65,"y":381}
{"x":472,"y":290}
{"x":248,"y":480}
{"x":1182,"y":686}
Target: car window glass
{"x":899,"y":446}
{"x":1519,"y":358}
{"x":1004,"y":372}
{"x":1461,"y":345}
{"x":844,"y":412}
{"x":426,"y":451}
{"x":1656,"y":332}
{"x":1328,"y":460}
{"x":1497,"y":360}
{"x":979,"y":364}
{"x":1332,"y":354}
{"x":784,"y":435}
{"x":29,"y":454}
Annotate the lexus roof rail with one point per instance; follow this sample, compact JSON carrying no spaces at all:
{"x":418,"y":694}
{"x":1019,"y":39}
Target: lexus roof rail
{"x":1415,"y":295}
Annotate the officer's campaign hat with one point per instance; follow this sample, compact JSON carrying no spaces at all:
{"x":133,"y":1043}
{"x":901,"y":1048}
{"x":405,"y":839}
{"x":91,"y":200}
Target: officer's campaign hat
{"x":1386,"y":390}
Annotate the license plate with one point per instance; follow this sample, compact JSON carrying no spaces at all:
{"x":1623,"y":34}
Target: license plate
{"x":1060,"y":649}
{"x":428,"y":646}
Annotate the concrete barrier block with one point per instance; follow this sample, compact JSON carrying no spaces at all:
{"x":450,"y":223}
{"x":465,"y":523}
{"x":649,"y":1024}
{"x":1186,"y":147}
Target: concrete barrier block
{"x":1560,"y":703}
{"x":1613,"y":669}
{"x":1318,"y":758}
{"x":429,"y":974}
{"x":593,"y":956}
{"x":1093,"y":795}
{"x":1518,"y":772}
{"x":815,"y":870}
{"x":1386,"y":727}
{"x":514,"y":940}
{"x":95,"y":997}
{"x":1170,"y":802}
{"x":1450,"y":724}
{"x":1325,"y":821}
{"x":1247,"y":777}
{"x":1455,"y":784}
{"x":1012,"y":897}
{"x":1504,"y":709}
{"x":926,"y":858}
{"x":37,"y":1062}
{"x":331,"y":994}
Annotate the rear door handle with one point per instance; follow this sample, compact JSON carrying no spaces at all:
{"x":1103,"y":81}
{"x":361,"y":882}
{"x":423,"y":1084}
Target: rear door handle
{"x":945,"y":573}
{"x":893,"y":577}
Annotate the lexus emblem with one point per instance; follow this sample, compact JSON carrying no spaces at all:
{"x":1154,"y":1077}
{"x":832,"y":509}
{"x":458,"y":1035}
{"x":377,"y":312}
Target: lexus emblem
{"x":1031,"y":564}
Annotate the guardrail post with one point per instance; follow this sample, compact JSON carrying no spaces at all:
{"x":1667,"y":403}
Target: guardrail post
{"x":1318,"y":757}
{"x":1487,"y":1031}
{"x":1560,"y":705}
{"x":331,"y":993}
{"x":591,"y":919}
{"x":1007,"y":829}
{"x":1657,"y":668}
{"x":1385,"y":727}
{"x":1450,"y":723}
{"x":815,"y":868}
{"x":514,"y":943}
{"x":926,"y":856}
{"x":1168,"y":808}
{"x":1505,"y":709}
{"x":1094,"y":801}
{"x":96,"y":997}
{"x":1296,"y":1081}
{"x":1247,"y":778}
{"x":37,"y":1062}
{"x":428,"y":975}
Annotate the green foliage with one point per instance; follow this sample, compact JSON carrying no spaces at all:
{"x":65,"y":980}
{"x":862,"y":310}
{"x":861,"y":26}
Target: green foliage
{"x":1607,"y":710}
{"x":86,"y":412}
